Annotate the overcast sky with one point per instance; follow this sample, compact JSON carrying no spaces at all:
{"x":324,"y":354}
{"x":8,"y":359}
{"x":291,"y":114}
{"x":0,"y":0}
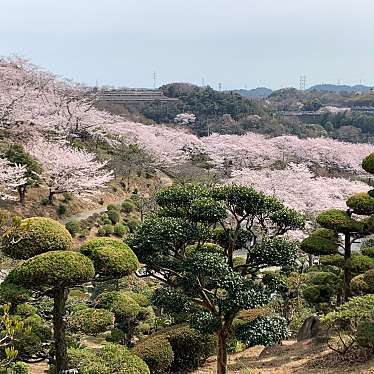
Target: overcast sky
{"x":236,"y":42}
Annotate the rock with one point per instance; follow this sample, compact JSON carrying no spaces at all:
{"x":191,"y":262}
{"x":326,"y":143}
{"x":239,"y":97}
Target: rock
{"x":309,"y":329}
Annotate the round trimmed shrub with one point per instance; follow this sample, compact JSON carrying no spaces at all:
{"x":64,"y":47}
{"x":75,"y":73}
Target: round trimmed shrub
{"x":317,"y":294}
{"x":368,"y":163}
{"x":338,"y":220}
{"x":91,"y":321}
{"x":323,"y":278}
{"x":365,"y":334}
{"x":111,"y":359}
{"x":108,"y":229}
{"x":116,"y":336}
{"x":110,"y":256}
{"x":358,"y":285}
{"x":73,"y":227}
{"x":13,"y":294}
{"x":115,"y":217}
{"x":120,"y":230}
{"x":156,"y":352}
{"x":368,"y":251}
{"x":112,"y":207}
{"x":34,"y":236}
{"x":53,"y":268}
{"x":132,"y":224}
{"x":25,"y":310}
{"x":107,"y":221}
{"x":101,"y":231}
{"x":122,"y":305}
{"x":206,"y":247}
{"x":264,"y":330}
{"x":127,"y":206}
{"x":320,"y":242}
{"x":360,"y":263}
{"x":190,"y":347}
{"x":361,"y":203}
{"x":369,"y":279}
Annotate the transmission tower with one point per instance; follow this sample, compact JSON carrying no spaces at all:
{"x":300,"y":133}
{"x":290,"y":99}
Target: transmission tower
{"x":302,"y":82}
{"x":219,"y":86}
{"x":154,"y":80}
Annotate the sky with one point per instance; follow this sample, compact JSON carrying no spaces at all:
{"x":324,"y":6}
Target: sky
{"x":238,"y":43}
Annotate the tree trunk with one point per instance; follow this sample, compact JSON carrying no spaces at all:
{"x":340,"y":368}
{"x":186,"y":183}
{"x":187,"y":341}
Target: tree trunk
{"x":50,"y":197}
{"x":22,"y":194}
{"x":60,"y":296}
{"x":347,"y":267}
{"x":222,"y":351}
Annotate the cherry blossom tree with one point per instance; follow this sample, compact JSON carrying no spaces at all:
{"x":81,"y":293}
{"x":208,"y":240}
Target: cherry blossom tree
{"x":12,"y":176}
{"x":33,"y":101}
{"x":69,"y":170}
{"x":185,"y":119}
{"x":297,"y":187}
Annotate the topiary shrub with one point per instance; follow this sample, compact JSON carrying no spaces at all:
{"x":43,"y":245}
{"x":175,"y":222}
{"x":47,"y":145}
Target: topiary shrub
{"x":365,"y":334}
{"x":34,"y":236}
{"x":368,"y":163}
{"x":323,"y":278}
{"x":368,"y":251}
{"x":120,"y":230}
{"x":339,"y":221}
{"x":127,"y":206}
{"x":320,"y":242}
{"x":121,"y":304}
{"x":61,"y":209}
{"x":358,"y":285}
{"x":132,"y":224}
{"x":13,"y":294}
{"x":156,"y":352}
{"x":73,"y":227}
{"x":114,"y":216}
{"x":360,"y":264}
{"x":361,"y":203}
{"x":25,"y":310}
{"x":368,"y":278}
{"x":264,"y":330}
{"x":116,"y":336}
{"x":112,"y":207}
{"x":190,"y":347}
{"x":317,"y":294}
{"x":350,"y":320}
{"x":52,"y":268}
{"x":108,"y":229}
{"x":18,"y":367}
{"x":110,"y":257}
{"x":111,"y":359}
{"x":91,"y":321}
{"x":206,"y":247}
{"x":101,"y":232}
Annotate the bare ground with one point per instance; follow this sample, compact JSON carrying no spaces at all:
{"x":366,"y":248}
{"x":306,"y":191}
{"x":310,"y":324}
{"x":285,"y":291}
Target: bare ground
{"x":292,"y":357}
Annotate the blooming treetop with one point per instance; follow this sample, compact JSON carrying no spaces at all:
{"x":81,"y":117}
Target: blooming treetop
{"x":185,"y":119}
{"x":33,"y":101}
{"x":297,"y":187}
{"x":69,"y":170}
{"x":11,"y":177}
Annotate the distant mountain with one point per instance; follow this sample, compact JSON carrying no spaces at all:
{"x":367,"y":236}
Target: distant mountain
{"x":259,"y":92}
{"x":340,"y":88}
